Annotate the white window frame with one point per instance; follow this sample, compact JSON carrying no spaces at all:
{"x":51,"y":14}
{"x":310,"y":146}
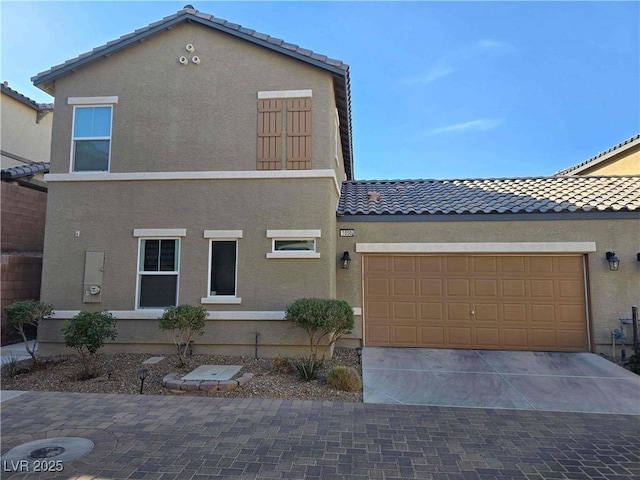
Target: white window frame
{"x":142,"y":272}
{"x":74,"y":139}
{"x":222,"y":236}
{"x":275,"y":235}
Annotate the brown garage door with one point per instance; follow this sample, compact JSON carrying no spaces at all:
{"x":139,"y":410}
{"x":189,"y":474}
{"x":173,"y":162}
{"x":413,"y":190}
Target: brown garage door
{"x":510,"y":302}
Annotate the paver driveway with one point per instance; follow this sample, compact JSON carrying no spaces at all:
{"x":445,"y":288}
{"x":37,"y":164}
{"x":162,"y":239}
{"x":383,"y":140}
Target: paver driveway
{"x":553,"y":381}
{"x":173,"y":437}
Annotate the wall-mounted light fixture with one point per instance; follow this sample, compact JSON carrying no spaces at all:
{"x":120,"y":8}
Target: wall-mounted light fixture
{"x":614,"y":262}
{"x":346,"y":260}
{"x":638,"y":257}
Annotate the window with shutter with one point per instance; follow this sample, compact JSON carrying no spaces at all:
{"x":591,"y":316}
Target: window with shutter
{"x":299,"y":133}
{"x":269,"y":134}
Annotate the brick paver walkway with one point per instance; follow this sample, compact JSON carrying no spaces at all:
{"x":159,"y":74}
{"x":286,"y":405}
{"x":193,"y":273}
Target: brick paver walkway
{"x":172,"y":437}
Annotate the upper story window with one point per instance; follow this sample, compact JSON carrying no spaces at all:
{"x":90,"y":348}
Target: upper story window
{"x":91,"y":135}
{"x":284,"y":111}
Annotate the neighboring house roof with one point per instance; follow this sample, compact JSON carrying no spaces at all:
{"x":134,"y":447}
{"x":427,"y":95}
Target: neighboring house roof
{"x":601,"y":157}
{"x":491,"y":195}
{"x":38,"y":107}
{"x":46,"y":80}
{"x":13,"y":173}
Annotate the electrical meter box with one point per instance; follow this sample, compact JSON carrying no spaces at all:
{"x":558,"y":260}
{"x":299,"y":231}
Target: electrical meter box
{"x":93,"y":270}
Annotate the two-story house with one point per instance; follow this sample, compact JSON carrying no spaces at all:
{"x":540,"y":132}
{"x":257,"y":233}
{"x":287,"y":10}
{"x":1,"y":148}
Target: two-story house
{"x":197,"y":161}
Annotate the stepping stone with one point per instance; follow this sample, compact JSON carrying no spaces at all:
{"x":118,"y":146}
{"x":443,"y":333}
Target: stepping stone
{"x":153,"y":360}
{"x":213,"y":372}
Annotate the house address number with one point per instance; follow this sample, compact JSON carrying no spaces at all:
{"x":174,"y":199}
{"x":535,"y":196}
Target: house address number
{"x":347,"y":232}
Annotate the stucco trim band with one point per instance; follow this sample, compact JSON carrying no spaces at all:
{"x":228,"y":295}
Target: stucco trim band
{"x":293,"y":255}
{"x":512,"y":247}
{"x":154,"y":314}
{"x":293,"y":233}
{"x":284,"y":94}
{"x":223,"y":234}
{"x":207,"y":175}
{"x":160,"y":232}
{"x":92,"y":100}
{"x":221,"y":299}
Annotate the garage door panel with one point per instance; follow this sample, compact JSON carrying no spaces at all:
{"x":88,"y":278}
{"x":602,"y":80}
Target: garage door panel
{"x":541,"y":289}
{"x":514,"y":338}
{"x":432,"y":311}
{"x":378,"y":310}
{"x":405,"y":335}
{"x":486,"y":312}
{"x":405,"y":311}
{"x":432,"y":336}
{"x":459,"y":337}
{"x":404,"y":264}
{"x":485,"y":288}
{"x":378,"y":287}
{"x":458,"y":287}
{"x":431,"y":287}
{"x":458,"y":311}
{"x":487,"y":338}
{"x":543,"y":313}
{"x":514,"y":312}
{"x":514,"y":302}
{"x":404,"y":286}
{"x":514,"y":288}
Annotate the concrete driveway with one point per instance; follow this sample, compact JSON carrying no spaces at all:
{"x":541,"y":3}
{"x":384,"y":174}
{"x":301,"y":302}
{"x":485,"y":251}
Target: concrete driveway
{"x":552,"y":381}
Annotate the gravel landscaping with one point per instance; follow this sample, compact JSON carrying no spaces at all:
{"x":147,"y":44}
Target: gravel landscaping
{"x":118,"y":373}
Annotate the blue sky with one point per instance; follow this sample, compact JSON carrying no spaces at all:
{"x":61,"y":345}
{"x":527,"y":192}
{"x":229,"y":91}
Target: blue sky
{"x":439,"y":89}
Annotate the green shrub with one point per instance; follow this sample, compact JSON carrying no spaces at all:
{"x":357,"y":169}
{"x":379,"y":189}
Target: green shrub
{"x":183,"y":321}
{"x":307,"y":367}
{"x":323,"y":319}
{"x":25,"y":313}
{"x":344,"y":378}
{"x":633,"y":364}
{"x":87,"y":332}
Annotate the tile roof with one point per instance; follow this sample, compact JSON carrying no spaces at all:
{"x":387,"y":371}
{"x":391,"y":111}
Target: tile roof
{"x":20,"y":171}
{"x":491,"y":195}
{"x":340,"y":70}
{"x":629,"y":142}
{"x":38,"y":107}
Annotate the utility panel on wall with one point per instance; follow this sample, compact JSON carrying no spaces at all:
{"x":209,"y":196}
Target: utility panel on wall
{"x":93,"y":269}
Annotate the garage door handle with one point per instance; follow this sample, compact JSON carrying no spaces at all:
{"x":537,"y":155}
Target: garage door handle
{"x":472,"y":312}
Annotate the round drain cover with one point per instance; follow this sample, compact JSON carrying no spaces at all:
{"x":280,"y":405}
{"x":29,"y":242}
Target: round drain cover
{"x":62,"y":449}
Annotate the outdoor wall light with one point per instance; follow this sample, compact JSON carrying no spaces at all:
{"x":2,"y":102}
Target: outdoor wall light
{"x":346,"y":260}
{"x":614,"y":262}
{"x":142,"y":374}
{"x":638,"y":257}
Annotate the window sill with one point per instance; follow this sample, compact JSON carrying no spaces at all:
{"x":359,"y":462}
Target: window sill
{"x":221,"y":299}
{"x":293,"y":255}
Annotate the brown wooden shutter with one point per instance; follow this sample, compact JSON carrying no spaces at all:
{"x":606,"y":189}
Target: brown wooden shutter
{"x":269,"y":134}
{"x":299,"y":134}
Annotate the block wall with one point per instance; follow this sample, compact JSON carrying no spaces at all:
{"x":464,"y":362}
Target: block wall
{"x":23,"y":214}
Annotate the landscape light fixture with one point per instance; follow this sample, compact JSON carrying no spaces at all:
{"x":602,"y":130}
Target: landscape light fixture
{"x":359,"y":352}
{"x":614,"y":262}
{"x":346,"y":261}
{"x":142,"y":374}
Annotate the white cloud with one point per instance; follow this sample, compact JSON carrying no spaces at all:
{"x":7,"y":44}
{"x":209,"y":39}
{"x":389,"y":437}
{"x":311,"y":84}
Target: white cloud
{"x":479,"y":125}
{"x":429,"y":76}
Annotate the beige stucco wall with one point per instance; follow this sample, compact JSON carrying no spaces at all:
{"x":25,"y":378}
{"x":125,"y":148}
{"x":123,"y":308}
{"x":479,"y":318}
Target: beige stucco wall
{"x":624,"y":163}
{"x":21,"y":135}
{"x":611,"y":293}
{"x":171,"y":117}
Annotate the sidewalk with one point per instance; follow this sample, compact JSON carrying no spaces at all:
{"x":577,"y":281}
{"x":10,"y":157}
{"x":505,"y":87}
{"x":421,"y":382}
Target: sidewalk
{"x":176,"y":438}
{"x":18,"y":350}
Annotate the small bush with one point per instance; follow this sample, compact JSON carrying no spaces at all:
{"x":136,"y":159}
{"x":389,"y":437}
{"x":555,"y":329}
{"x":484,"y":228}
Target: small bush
{"x":24,"y":314}
{"x":11,"y":365}
{"x":633,"y":364}
{"x":344,"y":378}
{"x":323,"y":319}
{"x":87,"y":332}
{"x":281,"y":364}
{"x":183,"y":321}
{"x":307,"y":367}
